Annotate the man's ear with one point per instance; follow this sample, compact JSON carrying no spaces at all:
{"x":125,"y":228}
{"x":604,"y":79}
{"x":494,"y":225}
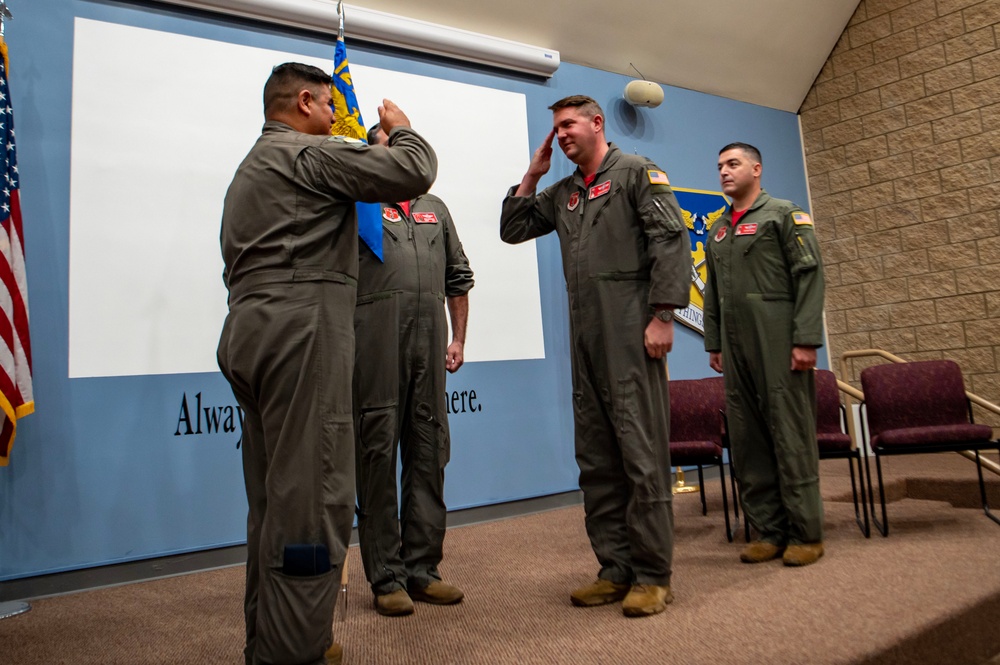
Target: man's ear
{"x":304,"y":97}
{"x":598,"y":121}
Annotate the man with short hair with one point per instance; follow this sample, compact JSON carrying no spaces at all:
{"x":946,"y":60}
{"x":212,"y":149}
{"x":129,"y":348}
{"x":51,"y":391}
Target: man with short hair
{"x":763,"y":324}
{"x":290,"y":247}
{"x":399,"y":397}
{"x":627,"y":263}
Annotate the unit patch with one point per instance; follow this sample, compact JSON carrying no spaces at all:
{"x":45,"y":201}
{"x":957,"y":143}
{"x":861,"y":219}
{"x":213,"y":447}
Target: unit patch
{"x":746,"y":229}
{"x":657,"y":178}
{"x":390,"y":215}
{"x":802,"y":219}
{"x":574,"y":201}
{"x":599,"y":190}
{"x":721,"y":233}
{"x":425,"y":218}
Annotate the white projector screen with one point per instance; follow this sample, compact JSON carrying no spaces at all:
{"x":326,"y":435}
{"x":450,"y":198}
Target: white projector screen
{"x":160,"y":123}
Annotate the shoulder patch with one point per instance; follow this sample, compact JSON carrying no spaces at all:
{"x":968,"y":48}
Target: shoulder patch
{"x":802,"y":219}
{"x":657,"y":177}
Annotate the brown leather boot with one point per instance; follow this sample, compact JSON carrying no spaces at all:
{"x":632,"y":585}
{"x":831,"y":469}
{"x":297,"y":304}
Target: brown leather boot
{"x":760,"y":551}
{"x":334,"y":655}
{"x":395,"y":604}
{"x":802,"y":555}
{"x":437,"y":593}
{"x":601,"y":592}
{"x":644,"y":600}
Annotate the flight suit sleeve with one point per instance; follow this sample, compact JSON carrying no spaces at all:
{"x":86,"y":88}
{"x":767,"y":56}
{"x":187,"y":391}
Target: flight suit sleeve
{"x":802,"y":254}
{"x":669,"y":247}
{"x":526,"y":217}
{"x":711,"y":316}
{"x":355,"y":171}
{"x":457,"y":273}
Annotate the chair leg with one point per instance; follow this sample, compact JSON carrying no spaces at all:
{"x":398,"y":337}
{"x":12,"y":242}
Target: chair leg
{"x":883,"y":526}
{"x":725,"y":500}
{"x":982,"y":491}
{"x":871,"y":494}
{"x":701,"y":490}
{"x":862,"y":510}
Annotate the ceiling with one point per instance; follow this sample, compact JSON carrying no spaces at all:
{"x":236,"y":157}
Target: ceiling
{"x":765,"y":52}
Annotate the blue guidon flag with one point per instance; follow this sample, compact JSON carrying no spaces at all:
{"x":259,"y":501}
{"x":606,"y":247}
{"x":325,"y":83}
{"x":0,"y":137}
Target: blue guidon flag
{"x":701,"y":209}
{"x":347,"y":122}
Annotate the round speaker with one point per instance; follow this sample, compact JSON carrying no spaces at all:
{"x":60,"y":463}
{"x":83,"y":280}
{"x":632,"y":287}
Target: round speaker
{"x":644,"y":93}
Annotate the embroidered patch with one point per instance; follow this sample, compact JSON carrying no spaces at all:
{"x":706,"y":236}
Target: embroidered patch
{"x":390,"y":215}
{"x":574,"y":201}
{"x":802,"y":219}
{"x":425,"y":218}
{"x":599,"y":190}
{"x":657,"y":178}
{"x":746,"y":229}
{"x":721,"y":233}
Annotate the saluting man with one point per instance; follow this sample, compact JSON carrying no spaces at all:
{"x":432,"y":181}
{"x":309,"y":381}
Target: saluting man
{"x":763,"y":324}
{"x":627,"y":261}
{"x":399,"y":396}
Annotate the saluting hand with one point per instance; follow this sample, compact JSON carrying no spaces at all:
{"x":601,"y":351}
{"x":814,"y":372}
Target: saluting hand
{"x":390,"y":115}
{"x":539,"y":166}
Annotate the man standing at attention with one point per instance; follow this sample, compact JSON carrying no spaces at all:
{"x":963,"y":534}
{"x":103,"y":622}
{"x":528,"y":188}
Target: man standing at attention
{"x":402,"y":353}
{"x":763,"y":324}
{"x":290,"y":246}
{"x":627,"y":261}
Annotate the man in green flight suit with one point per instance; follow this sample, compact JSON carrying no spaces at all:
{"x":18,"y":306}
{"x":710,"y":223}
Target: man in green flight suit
{"x":627,"y":263}
{"x":399,"y":396}
{"x":763,"y":324}
{"x":290,"y":246}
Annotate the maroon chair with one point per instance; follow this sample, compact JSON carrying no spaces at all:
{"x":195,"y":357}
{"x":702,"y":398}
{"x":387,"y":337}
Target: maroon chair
{"x":696,"y":408}
{"x":920,"y":407}
{"x":834,"y":442}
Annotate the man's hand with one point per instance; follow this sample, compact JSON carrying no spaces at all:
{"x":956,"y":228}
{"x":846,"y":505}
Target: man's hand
{"x":456,"y":357}
{"x":715,"y":360}
{"x":390,"y":115}
{"x":803,"y":358}
{"x":659,"y":338}
{"x":539,"y":166}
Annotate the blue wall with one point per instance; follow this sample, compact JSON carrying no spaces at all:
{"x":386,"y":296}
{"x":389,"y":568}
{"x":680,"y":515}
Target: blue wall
{"x":97,"y":473}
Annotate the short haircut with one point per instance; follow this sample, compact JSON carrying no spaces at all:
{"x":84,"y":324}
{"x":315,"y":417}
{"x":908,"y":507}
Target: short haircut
{"x":287,"y":80}
{"x":373,"y":133}
{"x":750,"y":151}
{"x":586,"y":105}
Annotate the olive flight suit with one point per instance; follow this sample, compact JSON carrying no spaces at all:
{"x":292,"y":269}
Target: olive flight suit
{"x":399,"y":382}
{"x":764,"y":295}
{"x":624,"y":249}
{"x":289,"y":243}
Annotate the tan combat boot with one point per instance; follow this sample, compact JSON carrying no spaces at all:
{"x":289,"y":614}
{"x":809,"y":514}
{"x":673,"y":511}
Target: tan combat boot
{"x":760,"y":551}
{"x":334,"y":655}
{"x":437,"y":593}
{"x":803,"y":555}
{"x":601,"y":592}
{"x":644,"y":600}
{"x":395,"y":604}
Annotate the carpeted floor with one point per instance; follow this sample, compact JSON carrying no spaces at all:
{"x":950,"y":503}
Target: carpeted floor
{"x":929,"y":593}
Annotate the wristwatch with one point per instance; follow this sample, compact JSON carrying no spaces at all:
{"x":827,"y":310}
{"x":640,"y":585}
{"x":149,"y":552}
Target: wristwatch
{"x":665,"y":315}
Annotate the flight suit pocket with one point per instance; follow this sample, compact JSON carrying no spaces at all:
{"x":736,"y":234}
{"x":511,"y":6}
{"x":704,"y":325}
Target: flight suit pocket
{"x":376,"y":326}
{"x":626,"y":406}
{"x":295,"y":615}
{"x":800,"y":256}
{"x":661,"y":218}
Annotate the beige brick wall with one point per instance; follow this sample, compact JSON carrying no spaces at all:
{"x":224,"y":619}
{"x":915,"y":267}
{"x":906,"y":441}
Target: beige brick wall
{"x":902,"y":141}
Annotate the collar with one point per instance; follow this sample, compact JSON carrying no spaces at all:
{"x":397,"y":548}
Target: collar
{"x":610,"y":158}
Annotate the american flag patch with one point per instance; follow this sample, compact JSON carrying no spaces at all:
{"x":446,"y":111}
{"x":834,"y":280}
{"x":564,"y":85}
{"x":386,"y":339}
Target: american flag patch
{"x":658,"y":178}
{"x":802,"y":219}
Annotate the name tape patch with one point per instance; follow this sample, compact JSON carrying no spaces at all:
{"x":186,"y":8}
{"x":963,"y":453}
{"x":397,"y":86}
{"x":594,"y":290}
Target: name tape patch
{"x":425,"y":218}
{"x":599,"y":190}
{"x":746,"y":229}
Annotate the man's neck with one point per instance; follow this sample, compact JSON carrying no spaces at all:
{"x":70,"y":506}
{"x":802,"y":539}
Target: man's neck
{"x":594,"y":163}
{"x":744,"y":201}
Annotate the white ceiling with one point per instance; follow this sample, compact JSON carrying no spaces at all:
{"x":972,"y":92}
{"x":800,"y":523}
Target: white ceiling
{"x":766,"y":52}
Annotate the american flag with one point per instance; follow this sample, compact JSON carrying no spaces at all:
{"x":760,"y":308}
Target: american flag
{"x":16,"y":398}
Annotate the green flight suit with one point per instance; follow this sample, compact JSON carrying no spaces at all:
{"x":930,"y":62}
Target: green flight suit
{"x":290,"y":247}
{"x":399,"y":383}
{"x":624,"y":249}
{"x":764,"y":295}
